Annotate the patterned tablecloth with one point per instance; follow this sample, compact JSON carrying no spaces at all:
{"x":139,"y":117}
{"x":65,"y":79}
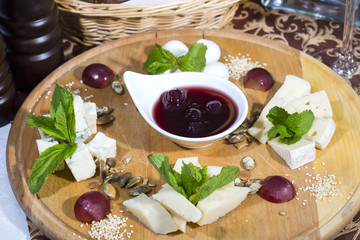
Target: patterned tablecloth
{"x":304,"y":33}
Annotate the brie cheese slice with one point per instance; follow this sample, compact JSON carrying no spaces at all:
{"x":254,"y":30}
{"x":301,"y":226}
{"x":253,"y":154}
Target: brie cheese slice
{"x":295,"y":155}
{"x":292,"y":88}
{"x":321,"y":132}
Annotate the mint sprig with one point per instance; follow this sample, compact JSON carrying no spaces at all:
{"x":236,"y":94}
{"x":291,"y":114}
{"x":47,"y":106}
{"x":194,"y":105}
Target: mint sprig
{"x":60,"y":125}
{"x":191,"y":182}
{"x":290,"y":127}
{"x":160,"y":60}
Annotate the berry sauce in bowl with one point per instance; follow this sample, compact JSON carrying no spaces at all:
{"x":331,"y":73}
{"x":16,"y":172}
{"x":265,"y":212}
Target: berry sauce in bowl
{"x":190,"y":108}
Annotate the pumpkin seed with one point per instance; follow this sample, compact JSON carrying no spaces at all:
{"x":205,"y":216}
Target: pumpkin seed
{"x":105,"y":110}
{"x":133,"y":181}
{"x":111,"y":162}
{"x":135,"y":191}
{"x":95,"y":184}
{"x":248,"y":163}
{"x":236,"y":138}
{"x":114,"y":177}
{"x":105,"y":119}
{"x":110,"y":191}
{"x":117,"y":87}
{"x":124,"y":179}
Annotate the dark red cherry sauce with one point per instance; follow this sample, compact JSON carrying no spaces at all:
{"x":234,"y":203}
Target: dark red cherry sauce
{"x":194,"y":111}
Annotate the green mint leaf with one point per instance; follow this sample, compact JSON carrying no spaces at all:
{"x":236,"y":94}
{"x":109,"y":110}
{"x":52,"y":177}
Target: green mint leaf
{"x":291,"y":140}
{"x":162,"y":165}
{"x":47,"y":125}
{"x":194,"y":60}
{"x":159,"y":61}
{"x":192,"y":177}
{"x":277,"y":115}
{"x":64,"y":119}
{"x":280,"y":129}
{"x":300,"y":123}
{"x":47,"y":163}
{"x":227,"y":174}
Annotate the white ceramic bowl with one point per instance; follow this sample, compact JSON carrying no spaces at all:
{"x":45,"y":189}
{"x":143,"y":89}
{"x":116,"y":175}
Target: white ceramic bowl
{"x":145,"y":90}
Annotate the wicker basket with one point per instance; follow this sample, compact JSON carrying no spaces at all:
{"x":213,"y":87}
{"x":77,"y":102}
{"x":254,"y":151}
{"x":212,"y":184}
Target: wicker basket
{"x":92,"y":24}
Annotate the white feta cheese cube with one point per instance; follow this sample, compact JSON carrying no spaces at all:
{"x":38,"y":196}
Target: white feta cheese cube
{"x":102,"y":147}
{"x":321,"y":132}
{"x":83,"y":131}
{"x":220,"y":202}
{"x":81,"y":163}
{"x":151,"y":214}
{"x":179,"y":163}
{"x":317,"y":102}
{"x":90,"y":115}
{"x":177,"y":204}
{"x":45,"y":143}
{"x":295,"y":155}
{"x":292,"y":88}
{"x":261,"y":127}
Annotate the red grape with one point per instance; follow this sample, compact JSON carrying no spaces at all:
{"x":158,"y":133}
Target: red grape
{"x":258,"y":79}
{"x":91,"y":206}
{"x":97,"y":75}
{"x":277,"y":189}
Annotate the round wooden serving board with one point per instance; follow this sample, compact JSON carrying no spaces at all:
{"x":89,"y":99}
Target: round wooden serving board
{"x":52,"y":208}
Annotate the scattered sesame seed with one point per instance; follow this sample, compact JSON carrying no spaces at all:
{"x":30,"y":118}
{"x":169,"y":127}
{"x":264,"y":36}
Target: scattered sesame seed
{"x":126,"y":104}
{"x":323,"y":163}
{"x":239,"y":65}
{"x":81,"y":81}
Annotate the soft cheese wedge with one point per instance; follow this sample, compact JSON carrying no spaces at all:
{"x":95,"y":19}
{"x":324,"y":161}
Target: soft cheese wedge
{"x":295,"y":155}
{"x":220,"y":202}
{"x":102,"y":147}
{"x":81,"y":163}
{"x":179,"y":222}
{"x":179,"y":163}
{"x":321,"y":132}
{"x":151,"y":214}
{"x":177,"y":204}
{"x":317,"y":102}
{"x":261,"y":127}
{"x":292,"y":88}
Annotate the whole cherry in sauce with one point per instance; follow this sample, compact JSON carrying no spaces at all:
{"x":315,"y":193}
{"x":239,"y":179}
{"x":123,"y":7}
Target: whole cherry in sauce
{"x":194,"y":111}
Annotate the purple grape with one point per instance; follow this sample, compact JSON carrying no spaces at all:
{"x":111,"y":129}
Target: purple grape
{"x":214,"y":107}
{"x":258,"y":79}
{"x":193,"y":114}
{"x":97,"y":75}
{"x":174,"y":100}
{"x":91,"y":206}
{"x":277,"y":189}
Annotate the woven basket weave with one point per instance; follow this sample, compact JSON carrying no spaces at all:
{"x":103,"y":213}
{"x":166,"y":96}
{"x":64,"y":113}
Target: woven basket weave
{"x":92,"y":24}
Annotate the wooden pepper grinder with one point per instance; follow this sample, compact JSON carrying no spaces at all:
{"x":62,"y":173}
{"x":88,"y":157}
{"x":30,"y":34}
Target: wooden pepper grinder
{"x":33,"y":38}
{"x":7,"y":88}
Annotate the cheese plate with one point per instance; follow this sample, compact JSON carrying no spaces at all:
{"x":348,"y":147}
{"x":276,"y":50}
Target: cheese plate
{"x":303,"y":217}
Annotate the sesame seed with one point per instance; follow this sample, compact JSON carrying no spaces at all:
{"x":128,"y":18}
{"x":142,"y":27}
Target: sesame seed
{"x":239,"y":65}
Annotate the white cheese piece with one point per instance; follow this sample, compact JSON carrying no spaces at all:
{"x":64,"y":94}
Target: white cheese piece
{"x":90,"y":115}
{"x":292,"y":88}
{"x":217,"y":69}
{"x":42,"y":134}
{"x":179,"y":222}
{"x":295,"y":155}
{"x":177,"y":204}
{"x":82,"y":129}
{"x":176,"y":47}
{"x":45,"y":143}
{"x":81,"y":163}
{"x":151,"y":214}
{"x":179,"y":163}
{"x":317,"y":102}
{"x":321,"y":132}
{"x":213,"y":51}
{"x":261,"y":127}
{"x":215,"y":170}
{"x":102,"y":147}
{"x":220,"y":202}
